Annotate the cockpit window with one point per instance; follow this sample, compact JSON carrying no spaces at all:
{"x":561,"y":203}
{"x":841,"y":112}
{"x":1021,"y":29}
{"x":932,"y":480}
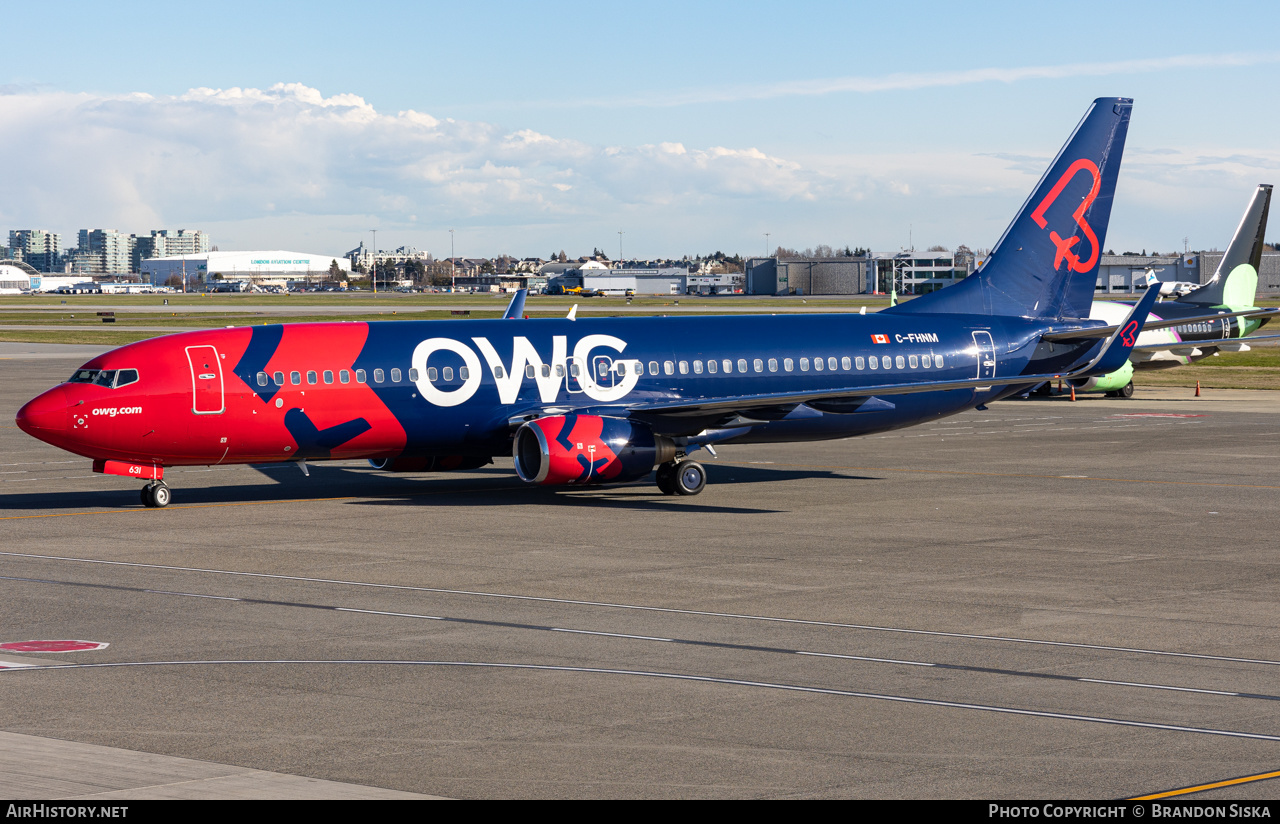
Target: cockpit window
{"x":110,"y":378}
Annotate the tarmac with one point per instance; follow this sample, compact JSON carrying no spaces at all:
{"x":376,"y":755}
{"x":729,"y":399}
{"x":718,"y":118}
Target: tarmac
{"x":1044,"y":599}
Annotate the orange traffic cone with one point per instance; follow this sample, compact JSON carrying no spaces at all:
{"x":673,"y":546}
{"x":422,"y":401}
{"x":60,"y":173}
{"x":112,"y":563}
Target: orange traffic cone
{"x":1073,"y":393}
{"x":1197,"y":389}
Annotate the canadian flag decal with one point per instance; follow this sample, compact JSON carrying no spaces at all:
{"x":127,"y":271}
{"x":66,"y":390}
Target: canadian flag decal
{"x":879,"y":338}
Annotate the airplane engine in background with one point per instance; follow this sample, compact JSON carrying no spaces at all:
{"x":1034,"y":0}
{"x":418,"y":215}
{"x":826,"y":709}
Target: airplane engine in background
{"x":430,"y":463}
{"x":1117,"y":384}
{"x":584,"y":449}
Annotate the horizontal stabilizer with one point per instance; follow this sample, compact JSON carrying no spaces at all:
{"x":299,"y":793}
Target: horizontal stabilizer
{"x":1106,"y":331}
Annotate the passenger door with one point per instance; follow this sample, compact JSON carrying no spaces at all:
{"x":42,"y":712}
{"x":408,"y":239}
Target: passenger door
{"x":207,"y":391}
{"x":986,"y":355}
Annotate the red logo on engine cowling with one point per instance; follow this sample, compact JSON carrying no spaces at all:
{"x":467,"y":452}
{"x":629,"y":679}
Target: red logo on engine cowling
{"x":1064,"y":246}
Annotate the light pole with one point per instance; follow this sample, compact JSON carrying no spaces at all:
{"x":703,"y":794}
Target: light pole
{"x":619,"y":248}
{"x":453,"y":266}
{"x":373,"y":268}
{"x":766,"y":243}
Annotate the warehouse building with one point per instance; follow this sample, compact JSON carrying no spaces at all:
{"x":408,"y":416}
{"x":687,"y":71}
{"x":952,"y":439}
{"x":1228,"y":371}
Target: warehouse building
{"x":268,"y":268}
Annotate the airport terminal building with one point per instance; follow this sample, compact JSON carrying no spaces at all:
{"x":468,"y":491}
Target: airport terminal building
{"x":263,"y":268}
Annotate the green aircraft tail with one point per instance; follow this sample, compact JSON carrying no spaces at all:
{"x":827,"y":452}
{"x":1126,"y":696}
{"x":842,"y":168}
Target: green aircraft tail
{"x":1235,"y":283}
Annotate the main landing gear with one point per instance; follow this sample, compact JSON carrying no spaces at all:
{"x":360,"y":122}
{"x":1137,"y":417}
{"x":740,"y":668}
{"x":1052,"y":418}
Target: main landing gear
{"x":683,"y":477}
{"x":156,"y":494}
{"x":1125,"y":392}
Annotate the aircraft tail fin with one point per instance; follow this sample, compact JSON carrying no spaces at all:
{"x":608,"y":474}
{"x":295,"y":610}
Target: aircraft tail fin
{"x":1235,"y":282}
{"x":1046,"y":263}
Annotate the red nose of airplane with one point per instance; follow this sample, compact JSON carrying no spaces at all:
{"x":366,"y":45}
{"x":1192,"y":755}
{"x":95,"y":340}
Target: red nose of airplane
{"x":44,"y":414}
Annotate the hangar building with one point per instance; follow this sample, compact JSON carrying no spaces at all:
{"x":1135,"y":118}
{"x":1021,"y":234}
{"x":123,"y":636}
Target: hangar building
{"x":268,"y":267}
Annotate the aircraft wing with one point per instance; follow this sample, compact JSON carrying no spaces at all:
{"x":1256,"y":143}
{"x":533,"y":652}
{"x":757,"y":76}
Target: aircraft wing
{"x":1104,"y":331}
{"x":1111,"y":357}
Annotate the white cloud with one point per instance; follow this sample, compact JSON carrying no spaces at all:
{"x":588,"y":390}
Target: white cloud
{"x":287,"y":167}
{"x":219,"y":156}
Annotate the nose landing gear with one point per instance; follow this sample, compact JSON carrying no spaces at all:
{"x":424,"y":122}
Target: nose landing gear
{"x":156,"y":495}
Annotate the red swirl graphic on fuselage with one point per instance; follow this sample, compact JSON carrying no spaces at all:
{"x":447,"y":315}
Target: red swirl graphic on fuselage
{"x":1064,"y":246}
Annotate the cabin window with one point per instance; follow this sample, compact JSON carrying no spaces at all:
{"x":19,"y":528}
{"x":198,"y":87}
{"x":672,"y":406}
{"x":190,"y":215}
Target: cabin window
{"x":873,"y":362}
{"x":529,"y":370}
{"x":295,"y":378}
{"x":712,"y":366}
{"x":846,"y":364}
{"x":913,"y":360}
{"x":727,"y":364}
{"x":328,"y":376}
{"x":817,"y":364}
{"x":431,"y":374}
{"x":395,"y":375}
{"x":926,"y":361}
{"x":620,"y":367}
{"x":653,"y":367}
{"x":804,"y":364}
{"x":900,"y":362}
{"x":463,"y":373}
{"x":668,"y":368}
{"x":344,"y":376}
{"x":262,"y":379}
{"x":885,"y":362}
{"x":277,"y":378}
{"x":757,"y":365}
{"x":360,"y":376}
{"x":498,"y":372}
{"x":742,"y":365}
{"x":559,"y":370}
{"x":574,"y":369}
{"x":447,"y":372}
{"x":697,"y":367}
{"x":831,"y":364}
{"x":788,"y":364}
{"x":413,"y":375}
{"x":546,"y":370}
{"x":379,"y":376}
{"x":937,"y":361}
{"x":312,"y":377}
{"x":684,"y":367}
{"x":859,"y":363}
{"x":773,"y":364}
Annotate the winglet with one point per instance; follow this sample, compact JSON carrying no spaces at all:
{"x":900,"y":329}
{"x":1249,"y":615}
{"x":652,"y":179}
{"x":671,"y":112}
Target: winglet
{"x":515,"y":309}
{"x":573,"y":313}
{"x":1120,"y":345}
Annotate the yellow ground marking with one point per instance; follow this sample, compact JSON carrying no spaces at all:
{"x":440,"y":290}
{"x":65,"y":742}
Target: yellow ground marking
{"x":1202,"y":787}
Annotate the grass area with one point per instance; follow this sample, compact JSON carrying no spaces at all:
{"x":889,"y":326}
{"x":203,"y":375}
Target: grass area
{"x":87,"y":337}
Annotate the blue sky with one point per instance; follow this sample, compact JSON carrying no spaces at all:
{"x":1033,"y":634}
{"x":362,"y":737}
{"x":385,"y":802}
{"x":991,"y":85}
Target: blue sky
{"x":529,"y":128}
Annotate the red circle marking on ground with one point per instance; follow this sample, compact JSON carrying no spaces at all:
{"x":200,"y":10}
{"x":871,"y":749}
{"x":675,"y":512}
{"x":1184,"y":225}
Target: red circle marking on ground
{"x":52,"y":646}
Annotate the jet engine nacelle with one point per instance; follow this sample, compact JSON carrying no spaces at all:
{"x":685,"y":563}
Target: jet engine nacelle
{"x":430,"y":463}
{"x":1110,"y":382}
{"x":585,"y":449}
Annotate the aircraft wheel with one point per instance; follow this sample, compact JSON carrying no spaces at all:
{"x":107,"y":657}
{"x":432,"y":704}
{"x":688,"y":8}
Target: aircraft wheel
{"x":691,"y":477}
{"x":146,"y":495}
{"x":161,"y":496}
{"x":1126,"y":392}
{"x":667,"y":478}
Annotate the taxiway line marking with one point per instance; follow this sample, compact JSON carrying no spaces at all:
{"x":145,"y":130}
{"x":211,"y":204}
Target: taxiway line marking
{"x":693,"y":642}
{"x":707,"y":679}
{"x":1199,"y":788}
{"x":664,"y":610}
